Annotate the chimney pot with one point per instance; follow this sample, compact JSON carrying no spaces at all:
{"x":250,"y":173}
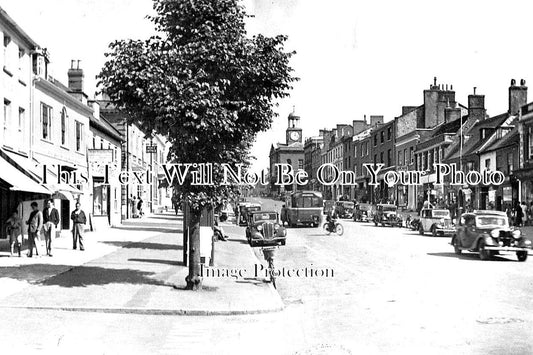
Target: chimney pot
{"x":523,"y":82}
{"x":475,"y":90}
{"x":435,"y":81}
{"x":513,"y":82}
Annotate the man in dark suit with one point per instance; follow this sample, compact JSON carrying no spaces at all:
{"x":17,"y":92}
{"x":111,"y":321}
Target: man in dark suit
{"x":35,"y":225}
{"x":51,"y":220}
{"x":79,"y":220}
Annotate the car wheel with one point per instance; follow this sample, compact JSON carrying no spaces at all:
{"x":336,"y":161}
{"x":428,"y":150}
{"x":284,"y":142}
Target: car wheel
{"x":521,"y":255}
{"x":434,"y":231}
{"x":456,"y":246}
{"x":484,"y":254}
{"x":421,"y":230}
{"x":375,"y":223}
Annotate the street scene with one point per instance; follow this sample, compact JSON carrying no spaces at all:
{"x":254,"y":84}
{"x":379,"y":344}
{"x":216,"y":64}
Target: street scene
{"x":265,"y":177}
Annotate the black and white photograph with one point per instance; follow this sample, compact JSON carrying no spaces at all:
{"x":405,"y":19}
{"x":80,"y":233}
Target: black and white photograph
{"x":293,"y":177}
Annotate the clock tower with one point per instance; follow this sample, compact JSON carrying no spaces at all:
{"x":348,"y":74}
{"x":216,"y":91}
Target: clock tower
{"x":294,"y":132}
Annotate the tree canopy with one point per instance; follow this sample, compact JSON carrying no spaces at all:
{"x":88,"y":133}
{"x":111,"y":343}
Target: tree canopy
{"x":201,"y":82}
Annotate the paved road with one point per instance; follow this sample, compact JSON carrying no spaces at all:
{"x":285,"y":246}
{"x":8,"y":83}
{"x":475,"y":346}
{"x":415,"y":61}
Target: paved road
{"x":393,"y":292}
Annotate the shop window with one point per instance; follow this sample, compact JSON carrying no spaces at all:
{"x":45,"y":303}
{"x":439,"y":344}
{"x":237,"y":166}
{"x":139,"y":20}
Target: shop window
{"x":100,"y":198}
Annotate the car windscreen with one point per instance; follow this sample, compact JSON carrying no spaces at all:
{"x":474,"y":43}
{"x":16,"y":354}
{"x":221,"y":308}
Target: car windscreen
{"x":441,"y":213}
{"x":489,"y":221}
{"x":265,"y":217}
{"x":389,"y":208}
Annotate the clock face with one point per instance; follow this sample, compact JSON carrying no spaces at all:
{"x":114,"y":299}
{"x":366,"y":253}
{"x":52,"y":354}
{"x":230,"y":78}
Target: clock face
{"x":295,"y":136}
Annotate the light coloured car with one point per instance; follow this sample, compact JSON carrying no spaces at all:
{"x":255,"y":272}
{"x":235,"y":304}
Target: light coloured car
{"x":436,"y":221}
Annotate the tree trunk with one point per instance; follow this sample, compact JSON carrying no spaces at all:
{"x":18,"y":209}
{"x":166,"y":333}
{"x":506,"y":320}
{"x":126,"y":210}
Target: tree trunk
{"x":194,"y":281}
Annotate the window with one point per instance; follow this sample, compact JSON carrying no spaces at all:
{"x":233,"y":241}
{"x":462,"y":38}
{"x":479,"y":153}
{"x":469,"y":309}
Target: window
{"x":400,"y":160}
{"x":375,"y":140}
{"x":46,"y":121}
{"x":101,"y":143}
{"x":375,"y":159}
{"x":79,"y":136}
{"x":406,"y":158}
{"x":300,"y":164}
{"x":355,"y":150}
{"x":487,"y":164}
{"x":94,"y":142}
{"x":389,"y":133}
{"x":510,"y":166}
{"x":63,"y":126}
{"x":21,"y":62}
{"x":469,"y":166}
{"x":7,"y":62}
{"x":381,"y":157}
{"x":412,"y":153}
{"x":22,"y":119}
{"x":530,"y":138}
{"x":389,"y":157}
{"x":382,"y":135}
{"x":7,"y":117}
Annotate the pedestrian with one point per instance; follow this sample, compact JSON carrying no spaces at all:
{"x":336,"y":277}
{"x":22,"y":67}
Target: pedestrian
{"x":519,"y":215}
{"x":14,"y":232}
{"x":35,"y":225}
{"x":50,"y":220}
{"x":524,"y":213}
{"x":133,"y":200}
{"x":78,"y":219}
{"x":140,"y":207}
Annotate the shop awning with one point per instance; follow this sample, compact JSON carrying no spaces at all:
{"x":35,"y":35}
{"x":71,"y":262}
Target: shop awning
{"x":33,"y":168}
{"x":18,"y":180}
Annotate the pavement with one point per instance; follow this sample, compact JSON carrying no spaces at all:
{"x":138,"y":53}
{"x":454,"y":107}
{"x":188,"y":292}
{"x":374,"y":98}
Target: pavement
{"x":137,"y":269}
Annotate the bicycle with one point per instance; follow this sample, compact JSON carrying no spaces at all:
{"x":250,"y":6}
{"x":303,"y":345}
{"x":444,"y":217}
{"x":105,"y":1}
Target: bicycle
{"x":338,"y":228}
{"x":269,"y":255}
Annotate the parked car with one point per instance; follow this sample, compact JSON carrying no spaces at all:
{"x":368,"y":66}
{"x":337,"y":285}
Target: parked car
{"x":436,"y":221}
{"x":362,"y":212}
{"x":488,"y":233}
{"x":264,"y":229}
{"x":345,"y":209}
{"x":387,"y":214}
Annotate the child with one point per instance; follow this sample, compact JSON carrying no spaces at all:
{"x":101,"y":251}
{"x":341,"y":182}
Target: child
{"x":14,"y":231}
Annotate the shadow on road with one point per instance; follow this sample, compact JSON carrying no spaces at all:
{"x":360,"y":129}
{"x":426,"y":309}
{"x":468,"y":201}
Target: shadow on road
{"x":469,"y":256}
{"x":93,"y":275}
{"x":164,"y":229}
{"x":168,"y":218}
{"x":158,"y":261}
{"x":241,"y":241}
{"x":145,"y":245}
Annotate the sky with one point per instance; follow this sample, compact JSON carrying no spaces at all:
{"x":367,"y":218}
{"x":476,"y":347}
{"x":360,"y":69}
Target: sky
{"x":354,"y":58}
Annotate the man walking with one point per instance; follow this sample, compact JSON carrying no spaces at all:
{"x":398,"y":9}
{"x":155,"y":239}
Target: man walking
{"x":78,"y":218}
{"x":35,"y":224}
{"x":51,"y":220}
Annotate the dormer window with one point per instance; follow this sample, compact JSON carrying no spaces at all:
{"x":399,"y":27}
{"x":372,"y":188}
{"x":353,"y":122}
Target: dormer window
{"x":483,"y":133}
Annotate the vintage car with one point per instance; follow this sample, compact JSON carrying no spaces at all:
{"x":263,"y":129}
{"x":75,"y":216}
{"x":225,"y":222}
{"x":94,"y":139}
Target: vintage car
{"x":387,"y":214}
{"x":436,"y":221}
{"x":362,"y":212}
{"x":264,"y":229}
{"x":344,"y":209}
{"x":244,"y":209}
{"x":488,"y":233}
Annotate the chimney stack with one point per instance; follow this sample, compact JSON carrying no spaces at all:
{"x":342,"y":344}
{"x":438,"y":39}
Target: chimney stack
{"x":517,"y":96}
{"x":476,"y":106}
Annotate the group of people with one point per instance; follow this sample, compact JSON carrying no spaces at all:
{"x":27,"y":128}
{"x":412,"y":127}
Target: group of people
{"x":136,"y":205}
{"x":521,"y":215}
{"x":43,"y":222}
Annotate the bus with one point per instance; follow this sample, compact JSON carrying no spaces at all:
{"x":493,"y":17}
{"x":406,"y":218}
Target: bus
{"x":303,"y":207}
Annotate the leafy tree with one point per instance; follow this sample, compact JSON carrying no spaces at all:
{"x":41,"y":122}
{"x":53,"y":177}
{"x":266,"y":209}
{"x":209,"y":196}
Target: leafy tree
{"x":205,"y":85}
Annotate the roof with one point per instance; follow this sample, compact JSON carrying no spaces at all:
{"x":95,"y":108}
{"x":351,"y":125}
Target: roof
{"x":473,"y":142}
{"x":10,"y":23}
{"x":449,"y":127}
{"x":509,"y":139}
